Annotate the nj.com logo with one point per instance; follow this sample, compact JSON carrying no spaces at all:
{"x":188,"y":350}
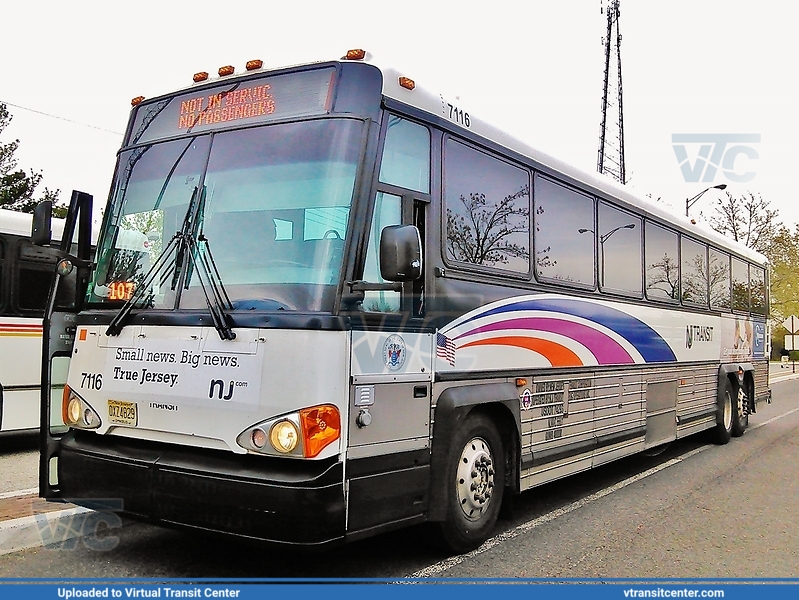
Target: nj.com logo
{"x":730,"y":152}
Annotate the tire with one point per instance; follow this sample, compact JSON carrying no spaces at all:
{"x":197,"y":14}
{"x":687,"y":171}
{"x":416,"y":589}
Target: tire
{"x":475,"y":484}
{"x":722,"y":432}
{"x":740,"y":412}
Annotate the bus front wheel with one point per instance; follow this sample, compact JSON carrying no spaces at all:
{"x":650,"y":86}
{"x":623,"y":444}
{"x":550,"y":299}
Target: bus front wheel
{"x":475,"y":484}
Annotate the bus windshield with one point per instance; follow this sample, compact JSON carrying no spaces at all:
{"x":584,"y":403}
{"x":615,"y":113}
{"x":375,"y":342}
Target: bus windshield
{"x":272,"y":205}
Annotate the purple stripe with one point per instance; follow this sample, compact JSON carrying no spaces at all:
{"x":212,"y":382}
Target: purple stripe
{"x":606,"y":350}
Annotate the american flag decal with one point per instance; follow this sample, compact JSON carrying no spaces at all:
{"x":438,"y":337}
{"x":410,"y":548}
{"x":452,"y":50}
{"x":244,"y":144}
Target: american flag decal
{"x":445,"y":348}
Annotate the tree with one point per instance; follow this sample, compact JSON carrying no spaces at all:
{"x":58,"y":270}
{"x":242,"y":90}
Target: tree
{"x":784,"y":258}
{"x":16,"y":186}
{"x":746,"y":219}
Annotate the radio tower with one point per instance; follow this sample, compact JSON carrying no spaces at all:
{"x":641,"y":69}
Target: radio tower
{"x":610,"y":157}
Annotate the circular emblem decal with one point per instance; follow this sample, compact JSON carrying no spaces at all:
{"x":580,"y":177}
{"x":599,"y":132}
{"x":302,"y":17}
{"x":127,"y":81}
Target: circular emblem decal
{"x":527,"y":400}
{"x":394,"y":352}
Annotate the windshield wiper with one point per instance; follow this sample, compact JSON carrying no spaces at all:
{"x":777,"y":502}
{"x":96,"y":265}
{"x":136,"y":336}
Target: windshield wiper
{"x":184,"y":254}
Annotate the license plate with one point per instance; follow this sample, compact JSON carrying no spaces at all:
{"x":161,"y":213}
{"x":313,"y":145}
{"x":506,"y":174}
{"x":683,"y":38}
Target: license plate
{"x":122,"y":413}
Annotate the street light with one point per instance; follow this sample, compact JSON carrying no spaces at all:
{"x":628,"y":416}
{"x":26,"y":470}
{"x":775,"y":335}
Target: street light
{"x":602,"y":239}
{"x":691,"y":201}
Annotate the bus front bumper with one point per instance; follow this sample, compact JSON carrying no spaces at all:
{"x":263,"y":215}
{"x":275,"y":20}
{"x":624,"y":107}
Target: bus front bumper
{"x":295,"y":502}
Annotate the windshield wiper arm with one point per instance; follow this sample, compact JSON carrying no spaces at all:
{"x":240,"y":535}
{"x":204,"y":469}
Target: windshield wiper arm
{"x":166,"y":262}
{"x":184,"y":254}
{"x":218,"y":300}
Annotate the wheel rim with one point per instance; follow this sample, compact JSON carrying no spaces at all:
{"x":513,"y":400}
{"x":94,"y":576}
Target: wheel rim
{"x":475,"y":479}
{"x":727,"y":416}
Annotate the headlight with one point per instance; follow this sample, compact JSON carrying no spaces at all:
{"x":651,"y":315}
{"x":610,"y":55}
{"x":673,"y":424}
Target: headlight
{"x":284,"y":436}
{"x":76,"y":412}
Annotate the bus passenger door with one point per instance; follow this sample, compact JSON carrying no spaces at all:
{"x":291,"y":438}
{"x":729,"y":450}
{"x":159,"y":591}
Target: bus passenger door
{"x":64,"y":302}
{"x":391,"y":377}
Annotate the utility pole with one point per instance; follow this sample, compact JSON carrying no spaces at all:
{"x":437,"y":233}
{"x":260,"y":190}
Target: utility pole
{"x":610,"y":157}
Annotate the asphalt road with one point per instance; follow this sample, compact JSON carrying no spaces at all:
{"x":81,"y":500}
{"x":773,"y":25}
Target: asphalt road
{"x":693,"y":511}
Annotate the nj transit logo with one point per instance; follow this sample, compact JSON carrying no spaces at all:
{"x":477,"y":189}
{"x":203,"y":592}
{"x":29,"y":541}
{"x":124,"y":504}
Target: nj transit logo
{"x":731,"y":152}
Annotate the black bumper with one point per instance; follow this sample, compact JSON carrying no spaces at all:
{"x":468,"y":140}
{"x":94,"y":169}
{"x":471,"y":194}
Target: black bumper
{"x":277,"y":500}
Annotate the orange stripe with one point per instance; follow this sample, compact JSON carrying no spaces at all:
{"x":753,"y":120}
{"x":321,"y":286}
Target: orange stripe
{"x":557,"y":354}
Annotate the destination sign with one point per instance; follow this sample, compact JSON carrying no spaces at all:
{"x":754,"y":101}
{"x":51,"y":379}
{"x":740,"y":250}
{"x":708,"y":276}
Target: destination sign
{"x":231,"y":103}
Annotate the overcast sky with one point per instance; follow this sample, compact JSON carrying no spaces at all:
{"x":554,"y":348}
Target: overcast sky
{"x":532,"y":67}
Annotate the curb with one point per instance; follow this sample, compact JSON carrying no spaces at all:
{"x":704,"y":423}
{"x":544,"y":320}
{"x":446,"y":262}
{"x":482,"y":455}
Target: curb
{"x":51,"y":529}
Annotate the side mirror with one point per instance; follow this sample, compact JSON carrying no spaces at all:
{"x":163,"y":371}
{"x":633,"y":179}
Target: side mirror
{"x":400,"y":253}
{"x":42,"y":233}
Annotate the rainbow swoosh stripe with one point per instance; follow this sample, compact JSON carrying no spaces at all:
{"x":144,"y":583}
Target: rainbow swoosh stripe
{"x":20,"y":330}
{"x":564,"y":331}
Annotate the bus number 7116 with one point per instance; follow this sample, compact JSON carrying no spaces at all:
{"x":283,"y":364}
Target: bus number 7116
{"x":460,"y":117}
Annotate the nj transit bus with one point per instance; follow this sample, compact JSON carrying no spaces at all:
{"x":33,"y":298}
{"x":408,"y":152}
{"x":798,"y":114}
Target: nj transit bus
{"x":363,"y":308}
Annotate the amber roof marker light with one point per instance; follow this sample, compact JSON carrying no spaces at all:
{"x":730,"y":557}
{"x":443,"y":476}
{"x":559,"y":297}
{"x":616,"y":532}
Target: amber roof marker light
{"x":407,"y":83}
{"x":137,"y":100}
{"x":226,"y":70}
{"x":253,"y":65}
{"x":355,"y":54}
{"x":201,"y":76}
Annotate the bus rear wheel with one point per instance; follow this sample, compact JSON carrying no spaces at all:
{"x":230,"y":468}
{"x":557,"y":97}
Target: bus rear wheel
{"x":475,"y":484}
{"x":740,"y":411}
{"x":722,"y":432}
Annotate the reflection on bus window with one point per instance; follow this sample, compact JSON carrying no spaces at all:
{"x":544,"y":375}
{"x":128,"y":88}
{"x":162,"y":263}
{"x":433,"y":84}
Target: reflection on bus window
{"x":487,"y":210}
{"x":619,"y":251}
{"x":757,"y":281}
{"x":662,"y":264}
{"x":740,"y":285}
{"x":720,"y":278}
{"x":693,"y":272}
{"x":564,"y":234}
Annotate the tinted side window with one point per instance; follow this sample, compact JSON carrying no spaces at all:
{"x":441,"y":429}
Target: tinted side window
{"x":32,"y":287}
{"x":619,"y":251}
{"x":487,"y":210}
{"x":719,"y":271}
{"x":740,"y":285}
{"x":406,"y":155}
{"x":564,"y":234}
{"x":662,"y":264}
{"x":693,"y":272}
{"x":757,"y":283}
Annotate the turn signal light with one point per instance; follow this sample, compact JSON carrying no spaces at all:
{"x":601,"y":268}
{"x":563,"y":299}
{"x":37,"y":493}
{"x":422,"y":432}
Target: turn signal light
{"x":321,"y":426}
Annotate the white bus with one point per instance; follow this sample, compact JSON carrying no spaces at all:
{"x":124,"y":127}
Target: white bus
{"x":362,"y":308}
{"x":26,"y":273}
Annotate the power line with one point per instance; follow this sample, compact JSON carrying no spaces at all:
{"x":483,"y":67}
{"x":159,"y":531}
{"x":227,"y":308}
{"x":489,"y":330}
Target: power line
{"x":38,"y":112}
